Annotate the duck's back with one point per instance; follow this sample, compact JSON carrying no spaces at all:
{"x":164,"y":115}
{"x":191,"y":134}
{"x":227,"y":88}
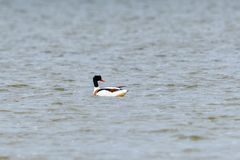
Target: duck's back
{"x":110,"y":92}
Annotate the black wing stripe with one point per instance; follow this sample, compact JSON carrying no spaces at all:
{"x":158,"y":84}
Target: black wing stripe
{"x":109,"y":89}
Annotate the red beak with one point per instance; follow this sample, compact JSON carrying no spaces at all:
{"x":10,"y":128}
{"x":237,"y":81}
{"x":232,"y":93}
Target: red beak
{"x":102,"y":80}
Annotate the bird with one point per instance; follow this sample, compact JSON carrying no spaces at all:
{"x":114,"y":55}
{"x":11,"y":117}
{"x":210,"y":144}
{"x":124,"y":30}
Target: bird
{"x":107,"y":91}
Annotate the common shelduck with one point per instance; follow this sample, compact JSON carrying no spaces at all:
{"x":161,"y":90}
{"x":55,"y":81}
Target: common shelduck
{"x":107,"y":91}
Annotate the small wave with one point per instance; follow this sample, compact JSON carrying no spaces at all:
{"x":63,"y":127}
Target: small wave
{"x":190,"y":137}
{"x":59,"y":89}
{"x":18,"y":85}
{"x":4,"y":158}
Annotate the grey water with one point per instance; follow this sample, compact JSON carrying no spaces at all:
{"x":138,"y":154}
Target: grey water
{"x":180,"y":62}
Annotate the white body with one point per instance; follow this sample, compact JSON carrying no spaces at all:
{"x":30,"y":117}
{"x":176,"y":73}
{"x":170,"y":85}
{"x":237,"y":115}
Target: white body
{"x":118,"y":92}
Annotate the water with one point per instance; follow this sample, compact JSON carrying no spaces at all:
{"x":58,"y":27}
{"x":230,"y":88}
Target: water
{"x":179,"y":59}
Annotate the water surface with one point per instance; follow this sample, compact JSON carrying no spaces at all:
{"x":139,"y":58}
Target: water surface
{"x":179,"y":59}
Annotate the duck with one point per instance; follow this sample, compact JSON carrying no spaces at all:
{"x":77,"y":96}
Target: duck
{"x":107,"y":91}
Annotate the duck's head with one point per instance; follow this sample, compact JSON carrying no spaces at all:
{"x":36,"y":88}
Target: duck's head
{"x":97,"y":78}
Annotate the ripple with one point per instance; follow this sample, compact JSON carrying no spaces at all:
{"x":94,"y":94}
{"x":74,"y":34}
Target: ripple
{"x":190,"y":86}
{"x":4,"y":90}
{"x":60,"y":119}
{"x":172,"y":85}
{"x":136,"y":84}
{"x":150,"y":95}
{"x":57,"y":103}
{"x":4,"y":157}
{"x":164,"y":130}
{"x":211,"y":118}
{"x":59,"y":89}
{"x":69,"y":80}
{"x":22,"y":113}
{"x":194,"y":73}
{"x":136,"y":69}
{"x":232,"y":99}
{"x":161,"y":55}
{"x":191,"y":150}
{"x":18,"y":85}
{"x":3,"y":110}
{"x":232,"y":104}
{"x":191,"y":137}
